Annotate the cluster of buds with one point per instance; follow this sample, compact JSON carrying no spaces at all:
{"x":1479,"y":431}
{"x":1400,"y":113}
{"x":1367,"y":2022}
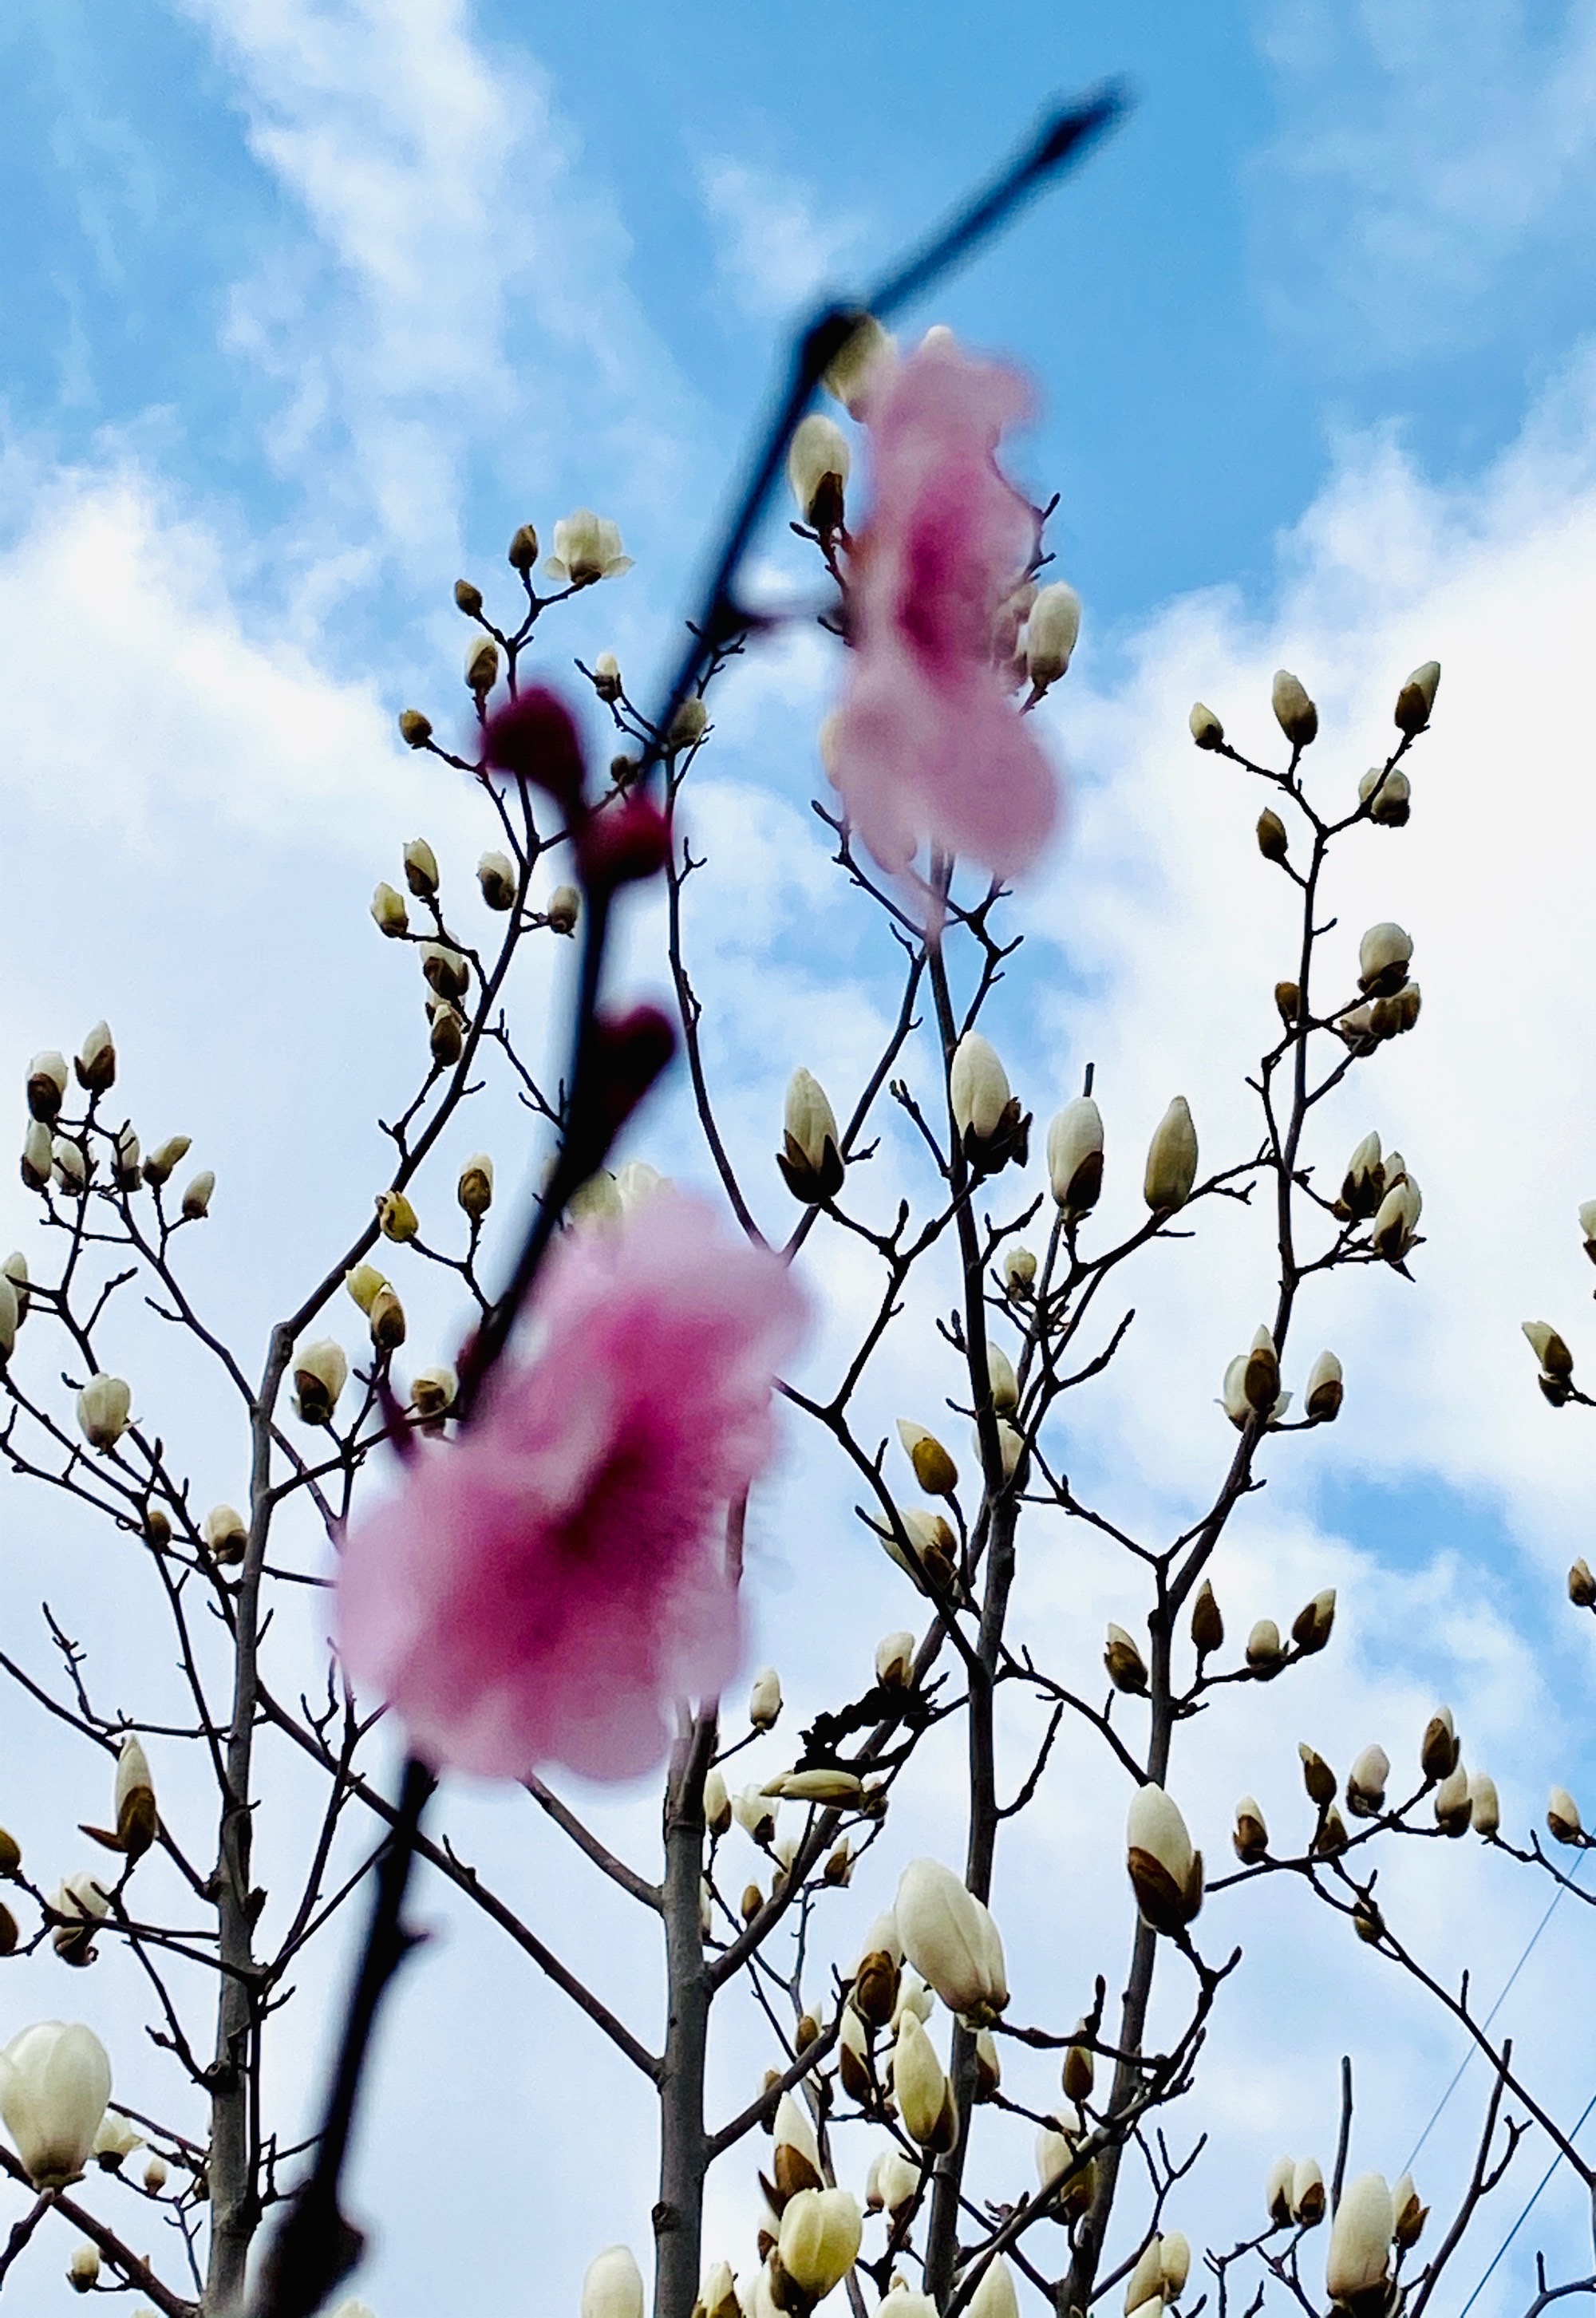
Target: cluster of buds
{"x":1391,"y":1001}
{"x":1387,"y":792}
{"x":1378,"y":1189}
{"x":810,"y":1158}
{"x":1294,"y":2193}
{"x":1166,"y":1872}
{"x":987,"y":1120}
{"x":1556,"y":1361}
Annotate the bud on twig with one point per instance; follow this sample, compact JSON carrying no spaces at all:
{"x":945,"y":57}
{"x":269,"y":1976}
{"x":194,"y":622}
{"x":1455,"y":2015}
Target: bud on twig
{"x":1265,"y":1654}
{"x":496,"y":875}
{"x":432,"y":1392}
{"x":949,"y":1936}
{"x":1294,"y":713}
{"x":421,"y":868}
{"x":809,"y":1159}
{"x":1416,"y":699}
{"x":1485,"y":1803}
{"x":1272,"y":842}
{"x":226,"y":1534}
{"x":481,"y":666}
{"x":1208,"y":1628}
{"x":321,"y":1371}
{"x":1052,"y":629}
{"x":1307,"y":2193}
{"x":96,"y":1061}
{"x":1454,"y":1805}
{"x":163,"y":1163}
{"x":1391,"y":792}
{"x":565,"y":908}
{"x":47,"y":1085}
{"x":925,"y":2096}
{"x":1166,"y":1872}
{"x":1359,"y":2258}
{"x":1582,"y":1585}
{"x":1365,"y":1782}
{"x":1277,"y":2191}
{"x":818,"y":462}
{"x":1384,"y":955}
{"x":1250,"y":1839}
{"x":612,"y":2286}
{"x":387,"y":1320}
{"x":1439,"y":1747}
{"x":103,"y":1408}
{"x":1019,"y":1273}
{"x":1310,"y":1628}
{"x":196,"y":1198}
{"x":1127,"y":1668}
{"x":1317,"y":1775}
{"x":396,"y":1217}
{"x":1075,"y":1157}
{"x":895,"y":1660}
{"x":1563,"y":1816}
{"x":474,"y":1189}
{"x":764,"y":1700}
{"x":935,"y":1470}
{"x":1324,"y":1403}
{"x":1205,"y":728}
{"x":1171,"y":1160}
{"x":987,"y":1118}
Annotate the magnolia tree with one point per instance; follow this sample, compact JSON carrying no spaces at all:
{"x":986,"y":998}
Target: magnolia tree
{"x":548,"y":1576}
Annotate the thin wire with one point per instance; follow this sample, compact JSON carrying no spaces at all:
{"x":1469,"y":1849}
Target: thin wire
{"x":1524,"y":2217}
{"x":1495,"y":2008}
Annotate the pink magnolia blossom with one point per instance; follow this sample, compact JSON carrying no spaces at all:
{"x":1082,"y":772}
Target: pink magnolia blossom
{"x":544,"y":1586}
{"x":927,"y":743}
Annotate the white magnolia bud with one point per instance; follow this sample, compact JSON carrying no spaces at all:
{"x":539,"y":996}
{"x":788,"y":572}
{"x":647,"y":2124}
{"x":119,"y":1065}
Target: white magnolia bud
{"x":896,"y":2181}
{"x":1360,"y":2239}
{"x":15,"y":1269}
{"x":1294,"y":713}
{"x":321,"y":1371}
{"x":1175,"y":2263}
{"x":850,"y":373}
{"x":55,"y":2081}
{"x":38,"y":1156}
{"x":10,"y":1317}
{"x":496,"y":875}
{"x":1417,"y":698}
{"x":1052,"y":628}
{"x":115,"y":2139}
{"x":1166,"y":1872}
{"x":1549,"y":1348}
{"x":1250,"y":1839}
{"x":1264,"y":1652}
{"x":1204,"y":726}
{"x":818,"y":467}
{"x":1563,"y":1816}
{"x":474,"y":1189}
{"x":481,"y":665}
{"x":1145,"y":2283}
{"x":794,"y":2131}
{"x":1171,"y":1160}
{"x":913,"y":1996}
{"x":156,"y":2176}
{"x":809,"y":1158}
{"x":421,"y":868}
{"x":96,"y":1060}
{"x":1005,"y":1383}
{"x":196,"y":1199}
{"x":389,"y":912}
{"x":1307,"y":2193}
{"x":935,"y":1470}
{"x":48,"y":1080}
{"x":565,"y":908}
{"x":83,"y":2271}
{"x":225,"y":1533}
{"x":1487,"y":1806}
{"x":433,"y":1391}
{"x":821,"y":2231}
{"x":1454,"y":1808}
{"x":1127,"y":1668}
{"x":690,"y":724}
{"x":163,"y":1163}
{"x":67,"y":1164}
{"x":920,"y":2086}
{"x":755,"y":1813}
{"x":1074,"y":1156}
{"x":1397,"y":1220}
{"x":1392,"y":795}
{"x":1277,"y":2191}
{"x":607,"y":677}
{"x":613,"y":2285}
{"x":978,"y":1086}
{"x":103,"y":1408}
{"x":1019,"y":1271}
{"x":994,"y":2296}
{"x":764,"y":1700}
{"x":1011,"y":1447}
{"x":951,"y":1939}
{"x":1325,"y":1389}
{"x":365,"y":1283}
{"x":587,"y":547}
{"x":895,"y":1660}
{"x":1383,"y":958}
{"x":1365,"y":1782}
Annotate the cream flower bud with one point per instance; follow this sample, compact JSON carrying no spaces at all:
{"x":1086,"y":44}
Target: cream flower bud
{"x":850,"y":373}
{"x":913,"y":1996}
{"x":1171,"y":1160}
{"x":387,"y":1320}
{"x":15,"y":1269}
{"x":607,"y":677}
{"x":1005,"y":1383}
{"x":690,"y":724}
{"x":1166,"y":1872}
{"x":389,"y":912}
{"x":10,"y":1317}
{"x":1563,"y":1816}
{"x":1052,"y":628}
{"x":755,"y":1813}
{"x":1234,"y":1398}
{"x":196,"y":1196}
{"x":949,"y":1936}
{"x":717,"y":1803}
{"x":613,"y":2285}
{"x":1439,"y":1747}
{"x":1075,"y":1157}
{"x":156,"y":2176}
{"x":565,"y":908}
{"x":474,"y":1189}
{"x":764,"y":1700}
{"x":496,"y":875}
{"x":1307,"y":2193}
{"x":1360,"y":2239}
{"x":447,"y":971}
{"x":421,"y":868}
{"x":587,"y":547}
{"x":103,"y":1408}
{"x":895,"y":1660}
{"x":1365,"y":1782}
{"x":1263,"y":1650}
{"x":821,"y":2231}
{"x":55,"y":2081}
{"x":1314,"y":1623}
{"x":83,"y":1903}
{"x":1397,"y":1221}
{"x":818,"y":1786}
{"x":1294,"y":713}
{"x":414,"y":729}
{"x":115,"y":2139}
{"x":433,"y":1391}
{"x":896,"y":2180}
{"x":1250,"y":1839}
{"x":397,"y":1219}
{"x":96,"y":1060}
{"x":1454,"y":1807}
{"x":1384,"y":955}
{"x":994,"y":2296}
{"x":1325,"y":1389}
{"x":38,"y":1156}
{"x":793,"y":2131}
{"x":1411,"y":2214}
{"x":83,"y":2271}
{"x":935,"y":1470}
{"x":67,"y":1165}
{"x":1388,"y":795}
{"x":1549,"y":1348}
{"x":1486,"y":1805}
{"x":978,"y":1088}
{"x":321,"y":1371}
{"x":637,"y":1183}
{"x":481,"y":666}
{"x":1011,"y":1447}
{"x":521,"y":553}
{"x":817,"y":467}
{"x":363,"y":1284}
{"x":1416,"y":699}
{"x":1176,"y":2262}
{"x":1019,"y":1271}
{"x":1145,"y":2283}
{"x":124,"y":1166}
{"x":1318,"y":1777}
{"x":809,"y":1160}
{"x":48,"y":1080}
{"x":225,"y":1533}
{"x":1204,"y":726}
{"x":163,"y":1163}
{"x":923,"y":2096}
{"x":1277,"y":2191}
{"x":1055,"y":2150}
{"x":1127,"y":1668}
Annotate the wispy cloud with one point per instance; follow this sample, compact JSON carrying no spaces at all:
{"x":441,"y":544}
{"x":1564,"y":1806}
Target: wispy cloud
{"x":776,"y":245}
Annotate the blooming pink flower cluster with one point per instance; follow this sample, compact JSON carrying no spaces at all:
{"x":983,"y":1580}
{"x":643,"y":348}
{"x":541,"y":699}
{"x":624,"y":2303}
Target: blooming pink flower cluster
{"x":927,"y":744}
{"x":544,"y":1587}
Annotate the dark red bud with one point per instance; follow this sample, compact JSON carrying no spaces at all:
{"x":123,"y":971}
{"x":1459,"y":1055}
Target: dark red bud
{"x":534,"y":739}
{"x":630,"y":1051}
{"x":628,"y":839}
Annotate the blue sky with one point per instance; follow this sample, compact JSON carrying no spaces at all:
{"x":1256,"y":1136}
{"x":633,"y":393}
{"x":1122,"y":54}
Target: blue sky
{"x":307,"y":303}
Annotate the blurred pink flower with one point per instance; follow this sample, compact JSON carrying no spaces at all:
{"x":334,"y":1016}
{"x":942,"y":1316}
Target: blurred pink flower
{"x":543,"y":1588}
{"x":927,"y":743}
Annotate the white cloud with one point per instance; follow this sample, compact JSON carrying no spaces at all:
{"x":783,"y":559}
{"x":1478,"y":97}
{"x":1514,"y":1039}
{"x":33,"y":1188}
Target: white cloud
{"x":775,"y":247}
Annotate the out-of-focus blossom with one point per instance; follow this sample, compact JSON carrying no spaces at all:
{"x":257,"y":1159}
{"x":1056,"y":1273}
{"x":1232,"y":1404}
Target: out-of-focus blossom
{"x":544,"y":1587}
{"x":926,"y":745}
